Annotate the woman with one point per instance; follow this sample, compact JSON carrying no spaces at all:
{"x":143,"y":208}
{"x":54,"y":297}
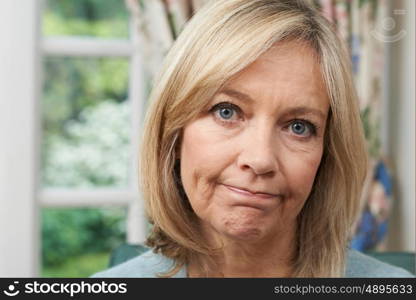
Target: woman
{"x":253,"y":155}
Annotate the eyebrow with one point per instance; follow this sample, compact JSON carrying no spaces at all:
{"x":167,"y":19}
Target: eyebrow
{"x":299,"y":110}
{"x":237,"y":95}
{"x":304,"y":110}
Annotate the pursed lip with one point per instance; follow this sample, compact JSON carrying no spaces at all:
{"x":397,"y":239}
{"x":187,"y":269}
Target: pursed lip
{"x":247,"y":192}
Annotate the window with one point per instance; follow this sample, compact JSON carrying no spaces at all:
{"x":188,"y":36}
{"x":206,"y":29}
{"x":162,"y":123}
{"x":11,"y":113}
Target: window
{"x":90,"y":116}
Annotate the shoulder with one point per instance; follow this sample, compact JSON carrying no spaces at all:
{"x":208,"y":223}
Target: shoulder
{"x":361,"y":265}
{"x":146,"y":265}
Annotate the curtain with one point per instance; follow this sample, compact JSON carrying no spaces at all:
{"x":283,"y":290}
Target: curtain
{"x":362,"y":25}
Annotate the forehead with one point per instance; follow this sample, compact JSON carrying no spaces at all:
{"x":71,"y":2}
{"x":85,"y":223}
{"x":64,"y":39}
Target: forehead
{"x":287,"y":71}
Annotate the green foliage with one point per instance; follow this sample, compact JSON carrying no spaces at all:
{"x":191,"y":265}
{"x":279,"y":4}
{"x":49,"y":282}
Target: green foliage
{"x":78,"y":266}
{"x":98,"y":18}
{"x":86,"y":129}
{"x":73,"y":232}
{"x":94,"y":151}
{"x":71,"y":84}
{"x":88,"y":9}
{"x":371,"y":127}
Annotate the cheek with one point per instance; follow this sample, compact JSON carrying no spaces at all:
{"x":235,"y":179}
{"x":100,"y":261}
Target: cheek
{"x":199,"y":158}
{"x":202,"y":161}
{"x":301,"y":170}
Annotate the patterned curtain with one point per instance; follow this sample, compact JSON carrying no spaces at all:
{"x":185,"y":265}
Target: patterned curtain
{"x":360,"y":24}
{"x":159,"y":22}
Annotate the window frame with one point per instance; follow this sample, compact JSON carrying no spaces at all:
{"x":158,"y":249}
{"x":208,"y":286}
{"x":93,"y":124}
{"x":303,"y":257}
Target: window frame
{"x":19,"y":132}
{"x":26,"y":46}
{"x":74,"y":46}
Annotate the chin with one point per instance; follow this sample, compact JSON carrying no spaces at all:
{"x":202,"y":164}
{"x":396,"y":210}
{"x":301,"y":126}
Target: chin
{"x":244,"y":234}
{"x":243,"y":230}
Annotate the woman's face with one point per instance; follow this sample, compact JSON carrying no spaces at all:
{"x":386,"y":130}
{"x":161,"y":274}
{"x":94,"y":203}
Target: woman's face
{"x":249,"y":161}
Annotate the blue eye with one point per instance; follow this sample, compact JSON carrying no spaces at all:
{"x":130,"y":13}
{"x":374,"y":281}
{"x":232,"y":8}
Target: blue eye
{"x":303,"y":128}
{"x":226,"y":113}
{"x":298,"y":127}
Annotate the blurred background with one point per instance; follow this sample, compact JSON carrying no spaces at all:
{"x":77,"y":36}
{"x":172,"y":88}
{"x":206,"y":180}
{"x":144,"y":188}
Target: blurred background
{"x":74,"y":82}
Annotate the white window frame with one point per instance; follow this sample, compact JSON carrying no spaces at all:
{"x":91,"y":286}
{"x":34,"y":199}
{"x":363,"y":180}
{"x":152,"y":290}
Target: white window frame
{"x":18,"y":138}
{"x":22,"y":52}
{"x":72,"y":46}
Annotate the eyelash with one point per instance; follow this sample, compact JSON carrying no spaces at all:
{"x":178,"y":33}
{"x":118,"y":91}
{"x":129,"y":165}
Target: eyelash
{"x":227,"y":105}
{"x":311,"y":126}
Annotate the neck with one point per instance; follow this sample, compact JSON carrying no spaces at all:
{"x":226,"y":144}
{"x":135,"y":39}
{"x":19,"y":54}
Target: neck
{"x":269,"y":257}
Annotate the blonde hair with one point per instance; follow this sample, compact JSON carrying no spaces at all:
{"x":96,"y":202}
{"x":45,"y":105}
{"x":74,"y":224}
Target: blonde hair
{"x":221,"y":40}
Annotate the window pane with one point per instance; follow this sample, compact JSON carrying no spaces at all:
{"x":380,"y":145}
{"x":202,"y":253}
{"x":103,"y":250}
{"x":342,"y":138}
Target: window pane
{"x":78,"y":242}
{"x":86,"y":123}
{"x":97,"y":18}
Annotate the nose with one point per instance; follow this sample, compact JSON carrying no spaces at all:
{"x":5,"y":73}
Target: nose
{"x":258,"y":151}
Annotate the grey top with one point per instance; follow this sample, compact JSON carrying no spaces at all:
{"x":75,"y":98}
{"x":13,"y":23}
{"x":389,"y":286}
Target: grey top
{"x":149,"y":264}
